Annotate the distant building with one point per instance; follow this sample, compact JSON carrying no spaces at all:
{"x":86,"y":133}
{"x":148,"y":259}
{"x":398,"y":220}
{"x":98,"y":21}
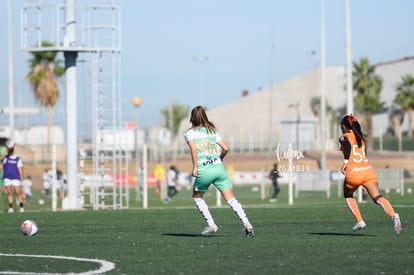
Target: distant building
{"x":282,"y":113}
{"x":391,"y":73}
{"x":35,"y":135}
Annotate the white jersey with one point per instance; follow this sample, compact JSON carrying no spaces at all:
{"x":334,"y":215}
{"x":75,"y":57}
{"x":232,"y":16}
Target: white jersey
{"x":46,"y":180}
{"x":27,"y":186}
{"x":171,"y":175}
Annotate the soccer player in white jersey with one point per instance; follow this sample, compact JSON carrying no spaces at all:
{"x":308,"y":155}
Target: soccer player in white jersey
{"x":207,"y":158}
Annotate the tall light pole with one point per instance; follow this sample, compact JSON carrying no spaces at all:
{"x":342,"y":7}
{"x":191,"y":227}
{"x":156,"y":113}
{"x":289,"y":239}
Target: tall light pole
{"x":296,"y":107}
{"x":323,"y":89}
{"x":10,"y":59}
{"x":271,"y":74}
{"x":312,"y":54}
{"x":348,"y":58}
{"x":201,"y":61}
{"x":136,"y":102}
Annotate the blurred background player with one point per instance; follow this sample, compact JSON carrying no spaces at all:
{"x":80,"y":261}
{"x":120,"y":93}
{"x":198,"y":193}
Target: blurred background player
{"x":13,"y":176}
{"x":3,"y":154}
{"x":27,"y":189}
{"x":273,"y":176}
{"x":208,"y":169}
{"x":358,"y":171}
{"x":46,"y":182}
{"x":60,"y":184}
{"x":158,"y":174}
{"x":172,"y":176}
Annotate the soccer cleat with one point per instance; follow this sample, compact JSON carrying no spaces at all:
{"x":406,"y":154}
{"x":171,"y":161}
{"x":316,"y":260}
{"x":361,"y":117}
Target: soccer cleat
{"x":396,"y":223}
{"x":209,"y":229}
{"x":21,"y":210}
{"x":11,"y":210}
{"x":249,"y":231}
{"x":358,"y":226}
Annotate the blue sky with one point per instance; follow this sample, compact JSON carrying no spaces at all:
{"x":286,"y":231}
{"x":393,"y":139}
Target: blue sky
{"x":160,"y":39}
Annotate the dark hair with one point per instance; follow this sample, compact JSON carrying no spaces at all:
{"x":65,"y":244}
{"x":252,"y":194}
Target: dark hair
{"x":10,"y":152}
{"x":350,"y":122}
{"x":199,"y":118}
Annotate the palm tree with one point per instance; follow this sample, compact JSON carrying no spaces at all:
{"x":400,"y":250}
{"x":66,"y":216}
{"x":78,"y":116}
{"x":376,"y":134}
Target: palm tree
{"x":173,"y":116}
{"x":44,"y":68}
{"x":396,"y":118}
{"x":368,"y":87}
{"x":405,"y":98}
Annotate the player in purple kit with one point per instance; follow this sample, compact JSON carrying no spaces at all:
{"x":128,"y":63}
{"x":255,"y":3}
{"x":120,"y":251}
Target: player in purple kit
{"x":13,"y":176}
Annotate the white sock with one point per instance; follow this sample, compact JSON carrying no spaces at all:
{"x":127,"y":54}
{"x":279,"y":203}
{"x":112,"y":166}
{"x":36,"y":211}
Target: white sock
{"x":238,"y":209}
{"x":203,"y":208}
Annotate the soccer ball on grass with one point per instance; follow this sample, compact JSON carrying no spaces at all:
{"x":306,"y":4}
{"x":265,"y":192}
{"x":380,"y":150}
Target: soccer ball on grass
{"x":29,"y":228}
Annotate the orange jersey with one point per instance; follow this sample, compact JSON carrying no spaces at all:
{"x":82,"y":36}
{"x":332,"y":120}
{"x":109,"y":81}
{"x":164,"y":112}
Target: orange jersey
{"x":359,"y":170}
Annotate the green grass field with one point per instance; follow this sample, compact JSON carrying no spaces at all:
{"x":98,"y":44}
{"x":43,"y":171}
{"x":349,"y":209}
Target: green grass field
{"x":311,"y":237}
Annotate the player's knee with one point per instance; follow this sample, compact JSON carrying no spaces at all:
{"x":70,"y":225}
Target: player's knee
{"x":377,"y":198}
{"x":348,"y":195}
{"x":348,"y":192}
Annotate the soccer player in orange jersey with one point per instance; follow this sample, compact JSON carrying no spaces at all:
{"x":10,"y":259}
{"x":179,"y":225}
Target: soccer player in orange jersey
{"x":358,"y":171}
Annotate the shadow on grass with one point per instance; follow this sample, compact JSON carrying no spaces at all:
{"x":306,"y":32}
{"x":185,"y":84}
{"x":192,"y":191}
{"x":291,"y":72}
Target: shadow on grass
{"x":341,"y":234}
{"x":189,"y":235}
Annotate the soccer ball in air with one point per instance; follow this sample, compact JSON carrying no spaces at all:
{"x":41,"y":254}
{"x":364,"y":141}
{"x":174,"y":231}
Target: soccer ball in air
{"x":29,"y":228}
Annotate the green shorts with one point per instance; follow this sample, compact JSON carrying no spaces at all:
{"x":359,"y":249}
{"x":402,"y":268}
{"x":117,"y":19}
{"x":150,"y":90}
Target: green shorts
{"x":215,"y":175}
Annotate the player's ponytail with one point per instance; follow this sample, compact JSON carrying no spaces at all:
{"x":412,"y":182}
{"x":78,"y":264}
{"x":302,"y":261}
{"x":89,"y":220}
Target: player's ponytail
{"x":351,"y":122}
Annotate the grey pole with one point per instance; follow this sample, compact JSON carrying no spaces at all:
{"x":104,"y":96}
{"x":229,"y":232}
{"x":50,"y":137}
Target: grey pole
{"x":201,"y":61}
{"x":136,"y":101}
{"x":348,"y":57}
{"x":272,"y":63}
{"x":10,"y":69}
{"x":323,"y":89}
{"x":71,"y":106}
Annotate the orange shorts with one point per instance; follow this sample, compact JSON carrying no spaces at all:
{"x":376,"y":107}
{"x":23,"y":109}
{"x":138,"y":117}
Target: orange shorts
{"x":359,"y":176}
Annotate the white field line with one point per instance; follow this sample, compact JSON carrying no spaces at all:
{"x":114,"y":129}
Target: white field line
{"x":105,"y":265}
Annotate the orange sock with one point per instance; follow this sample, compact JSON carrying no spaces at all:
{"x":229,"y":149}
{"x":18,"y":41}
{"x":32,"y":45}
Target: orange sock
{"x":386,"y":205}
{"x":353,"y":206}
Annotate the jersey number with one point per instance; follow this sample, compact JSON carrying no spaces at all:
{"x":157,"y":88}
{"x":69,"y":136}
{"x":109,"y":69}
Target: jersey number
{"x":359,"y":155}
